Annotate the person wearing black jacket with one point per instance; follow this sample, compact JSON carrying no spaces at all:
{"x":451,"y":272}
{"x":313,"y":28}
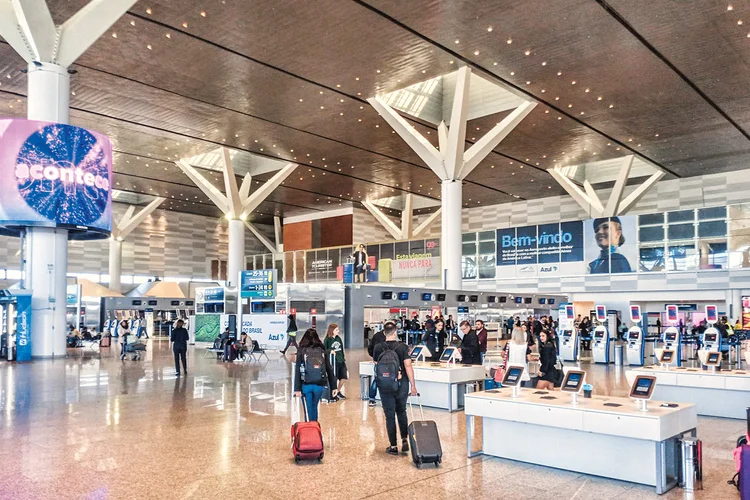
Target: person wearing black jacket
{"x":378,"y":338}
{"x":430,"y":339}
{"x":547,"y":360}
{"x":311,"y":348}
{"x":179,"y":341}
{"x":291,"y":334}
{"x":442,"y":336}
{"x":470,"y":353}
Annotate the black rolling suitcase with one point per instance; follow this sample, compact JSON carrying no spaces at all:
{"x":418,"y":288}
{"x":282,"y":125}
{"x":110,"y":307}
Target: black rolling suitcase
{"x":424,"y":440}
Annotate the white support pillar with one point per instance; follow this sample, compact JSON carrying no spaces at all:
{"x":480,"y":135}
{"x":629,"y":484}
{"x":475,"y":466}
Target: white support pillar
{"x":450,"y":240}
{"x":236,"y":257}
{"x":115,"y":265}
{"x":277,"y":233}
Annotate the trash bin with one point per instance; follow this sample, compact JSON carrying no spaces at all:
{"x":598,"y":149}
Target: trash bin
{"x":364,"y":387}
{"x":618,"y":354}
{"x":692,"y":464}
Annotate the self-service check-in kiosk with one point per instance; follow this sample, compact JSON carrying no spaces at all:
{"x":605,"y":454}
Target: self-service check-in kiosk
{"x":569,"y":345}
{"x":603,"y":348}
{"x":673,"y":342}
{"x":711,"y":338}
{"x":638,"y":352}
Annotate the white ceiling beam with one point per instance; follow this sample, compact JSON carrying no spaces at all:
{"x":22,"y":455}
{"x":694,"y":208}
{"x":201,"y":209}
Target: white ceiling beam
{"x":216,"y":196}
{"x":40,"y":32}
{"x":427,"y":223}
{"x":407,"y":217}
{"x":575,"y":192}
{"x":443,"y":144}
{"x":86,"y":26}
{"x":384,"y":221}
{"x":277,"y":232}
{"x":266,"y":242}
{"x":255,"y":199}
{"x":638,"y":193}
{"x":622,"y":180}
{"x":484,"y":146}
{"x":230,"y":186}
{"x":593,"y":197}
{"x":126,"y":226}
{"x":247,"y":183}
{"x":453,"y":155}
{"x":421,"y":146}
{"x":11,"y":31}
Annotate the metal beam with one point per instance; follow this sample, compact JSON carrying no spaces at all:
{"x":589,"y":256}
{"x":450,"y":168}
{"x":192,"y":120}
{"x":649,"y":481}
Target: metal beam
{"x":277,"y":233}
{"x":230,"y":186}
{"x":575,"y":192}
{"x":216,"y":196}
{"x":484,"y":146}
{"x":383,"y":219}
{"x":407,"y":217}
{"x":40,"y":32}
{"x":255,"y":199}
{"x":126,"y":226}
{"x":622,"y":180}
{"x":11,"y":31}
{"x":247,"y":183}
{"x":85,"y":26}
{"x":636,"y":195}
{"x":424,"y":149}
{"x":266,"y":242}
{"x":427,"y":223}
{"x":443,"y":143}
{"x":593,"y":197}
{"x":453,"y":155}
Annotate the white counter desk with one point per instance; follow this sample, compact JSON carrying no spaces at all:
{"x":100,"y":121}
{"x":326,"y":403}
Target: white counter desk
{"x":720,"y":394}
{"x":593,"y":437}
{"x":440,"y":386}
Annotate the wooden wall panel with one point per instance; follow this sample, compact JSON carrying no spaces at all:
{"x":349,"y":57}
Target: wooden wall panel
{"x":298,"y":236}
{"x":336,"y":231}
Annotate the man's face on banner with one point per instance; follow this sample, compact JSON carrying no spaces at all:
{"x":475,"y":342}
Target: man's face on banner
{"x":606,"y":232}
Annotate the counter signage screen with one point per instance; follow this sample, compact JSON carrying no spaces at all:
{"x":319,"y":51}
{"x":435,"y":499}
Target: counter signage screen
{"x":503,"y":299}
{"x":137,"y":303}
{"x":712,"y":315}
{"x":473,"y":298}
{"x":570,"y":311}
{"x":441,"y":297}
{"x":551,"y":301}
{"x":491,"y":299}
{"x":542,"y":301}
{"x":386,"y":295}
{"x":447,"y":354}
{"x":461,"y":298}
{"x":672,"y":314}
{"x":174,"y":303}
{"x":666,"y":356}
{"x":427,"y":297}
{"x":416,"y":352}
{"x":55,"y":175}
{"x":635,"y":314}
{"x":260,"y":284}
{"x":519,"y":300}
{"x":403,"y":295}
{"x":153,"y":302}
{"x":601,"y":314}
{"x":527,"y":300}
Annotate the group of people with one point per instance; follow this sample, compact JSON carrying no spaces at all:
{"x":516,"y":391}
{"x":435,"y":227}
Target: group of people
{"x":534,"y":345}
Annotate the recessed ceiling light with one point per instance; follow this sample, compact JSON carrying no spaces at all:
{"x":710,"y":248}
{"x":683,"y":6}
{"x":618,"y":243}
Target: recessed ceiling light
{"x":184,"y":25}
{"x":203,"y":13}
{"x":611,"y":105}
{"x":512,"y":73}
{"x":148,"y":11}
{"x":114,"y":35}
{"x":489,"y":28}
{"x":559,"y":73}
{"x":509,"y":41}
{"x":739,"y":22}
{"x":377,"y":71}
{"x":457,"y":42}
{"x":476,"y":53}
{"x":730,"y":7}
{"x":528,"y":52}
{"x":544,"y":63}
{"x":450,"y":62}
{"x":573,"y":82}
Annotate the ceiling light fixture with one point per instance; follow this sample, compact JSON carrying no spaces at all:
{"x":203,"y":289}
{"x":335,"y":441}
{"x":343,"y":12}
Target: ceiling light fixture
{"x":203,"y":13}
{"x":489,"y":28}
{"x":509,"y":41}
{"x":528,"y":52}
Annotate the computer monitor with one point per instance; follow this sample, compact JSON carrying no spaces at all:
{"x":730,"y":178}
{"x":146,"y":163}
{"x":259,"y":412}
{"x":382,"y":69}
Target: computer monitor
{"x":666,"y":357}
{"x":670,"y":337}
{"x":713,"y":359}
{"x":599,"y":333}
{"x":573,"y":381}
{"x":448,"y":354}
{"x":513,"y":376}
{"x":403,"y":295}
{"x":643,"y":387}
{"x":709,"y":337}
{"x":634,"y":335}
{"x":419,"y":351}
{"x":712,"y":315}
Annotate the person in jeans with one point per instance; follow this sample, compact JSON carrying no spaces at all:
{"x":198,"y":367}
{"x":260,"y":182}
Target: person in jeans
{"x":394,"y":403}
{"x":179,"y":341}
{"x":291,"y":334}
{"x":312,"y":372}
{"x":482,"y":334}
{"x":377,"y":339}
{"x":334,"y":345}
{"x":124,"y":333}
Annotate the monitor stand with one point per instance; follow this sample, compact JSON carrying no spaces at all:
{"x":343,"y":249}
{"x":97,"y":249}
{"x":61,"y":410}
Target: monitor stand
{"x":642,"y":404}
{"x":665,"y":366}
{"x":574,"y":400}
{"x":516,"y":392}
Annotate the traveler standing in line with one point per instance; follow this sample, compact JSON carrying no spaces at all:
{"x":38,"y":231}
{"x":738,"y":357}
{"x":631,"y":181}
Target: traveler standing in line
{"x":450,"y":324}
{"x":430,"y":339}
{"x":517,"y":352}
{"x":658,"y":326}
{"x":376,"y":340}
{"x":547,"y":360}
{"x":335,"y":345}
{"x":585,"y":330}
{"x":482,"y":335}
{"x":509,"y":326}
{"x":124,"y":333}
{"x":179,"y":341}
{"x":470,"y":354}
{"x":291,"y":334}
{"x":312,"y":372}
{"x":394,"y":374}
{"x":442,"y":336}
{"x":360,"y":264}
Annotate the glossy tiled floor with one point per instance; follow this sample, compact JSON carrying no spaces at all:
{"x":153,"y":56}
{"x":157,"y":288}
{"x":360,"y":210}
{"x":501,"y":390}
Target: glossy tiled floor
{"x":93,"y":427}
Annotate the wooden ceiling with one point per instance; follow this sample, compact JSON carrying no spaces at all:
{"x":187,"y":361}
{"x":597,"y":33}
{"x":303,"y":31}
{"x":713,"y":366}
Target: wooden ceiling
{"x":289,"y":80}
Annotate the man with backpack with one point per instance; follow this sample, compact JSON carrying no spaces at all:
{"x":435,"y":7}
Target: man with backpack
{"x":394,"y":374}
{"x":378,"y":338}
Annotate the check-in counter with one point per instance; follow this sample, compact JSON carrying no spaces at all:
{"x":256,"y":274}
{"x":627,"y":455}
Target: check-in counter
{"x":725,"y":393}
{"x":440,"y":385}
{"x":603,"y":436}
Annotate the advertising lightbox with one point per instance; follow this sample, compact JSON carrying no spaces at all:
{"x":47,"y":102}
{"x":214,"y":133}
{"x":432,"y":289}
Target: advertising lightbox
{"x":55,"y":175}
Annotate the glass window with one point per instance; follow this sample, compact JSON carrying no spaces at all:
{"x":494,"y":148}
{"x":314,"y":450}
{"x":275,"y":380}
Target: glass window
{"x":739,"y":235}
{"x":487,"y":247}
{"x":416,"y":247}
{"x":681,"y":216}
{"x":712,"y":228}
{"x":712,"y":255}
{"x":402,"y":249}
{"x":469,"y":249}
{"x":372,"y":251}
{"x":469,"y":267}
{"x":433,"y":247}
{"x":386,"y":251}
{"x":650,"y":219}
{"x":712,"y":213}
{"x":681,"y":231}
{"x":487,"y":266}
{"x":468,"y":237}
{"x":651,"y":233}
{"x":651,"y":259}
{"x":487,"y":236}
{"x":682,"y":258}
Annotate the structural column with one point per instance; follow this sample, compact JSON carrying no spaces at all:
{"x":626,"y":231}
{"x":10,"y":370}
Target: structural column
{"x":115,"y":264}
{"x":450,"y":239}
{"x":236,"y":258}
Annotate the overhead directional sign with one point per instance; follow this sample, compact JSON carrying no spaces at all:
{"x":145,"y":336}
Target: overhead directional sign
{"x":259,"y":284}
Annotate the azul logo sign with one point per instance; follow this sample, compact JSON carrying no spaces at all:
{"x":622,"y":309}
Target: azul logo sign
{"x":54,"y":174}
{"x":548,"y":269}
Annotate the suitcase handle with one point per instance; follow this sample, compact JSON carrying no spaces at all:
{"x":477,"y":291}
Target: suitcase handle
{"x":303,"y":402}
{"x":421,"y":411}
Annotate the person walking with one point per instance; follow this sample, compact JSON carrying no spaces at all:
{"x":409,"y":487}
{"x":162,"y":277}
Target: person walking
{"x":376,"y":340}
{"x":470,"y":354}
{"x":291,"y":334}
{"x":124,"y":333}
{"x":394,"y":374}
{"x":335,"y":346}
{"x":312,"y":372}
{"x":547,"y":360}
{"x":179,"y":341}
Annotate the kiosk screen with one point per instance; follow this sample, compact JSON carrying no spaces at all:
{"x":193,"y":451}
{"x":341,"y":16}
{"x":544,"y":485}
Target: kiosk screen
{"x":712,"y":315}
{"x":634,"y":336}
{"x":447,"y":354}
{"x":713,"y":359}
{"x":567,"y":333}
{"x":710,"y":337}
{"x":573,"y":381}
{"x":601,"y":313}
{"x":599,"y":334}
{"x":416,"y":352}
{"x":635,"y":314}
{"x":670,"y":337}
{"x":643,"y":387}
{"x":666,"y":356}
{"x":513,"y":376}
{"x":672,"y":314}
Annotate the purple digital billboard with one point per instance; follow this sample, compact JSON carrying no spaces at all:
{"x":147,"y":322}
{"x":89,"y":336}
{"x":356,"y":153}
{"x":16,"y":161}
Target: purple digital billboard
{"x":55,"y":175}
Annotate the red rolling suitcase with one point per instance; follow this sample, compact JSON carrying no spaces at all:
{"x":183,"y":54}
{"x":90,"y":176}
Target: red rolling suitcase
{"x":307,"y":439}
{"x":424,"y":440}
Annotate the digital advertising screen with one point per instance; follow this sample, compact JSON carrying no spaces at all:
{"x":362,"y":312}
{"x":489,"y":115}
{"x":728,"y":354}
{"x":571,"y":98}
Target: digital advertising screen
{"x":712,"y":315}
{"x":635,"y":314}
{"x":55,"y":175}
{"x":672,"y":314}
{"x":745,"y":312}
{"x":601,"y":314}
{"x":260,"y":284}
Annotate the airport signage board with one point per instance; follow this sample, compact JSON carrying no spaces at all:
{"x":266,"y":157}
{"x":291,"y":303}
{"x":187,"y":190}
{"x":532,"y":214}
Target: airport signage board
{"x":55,"y":175}
{"x":258,"y":284}
{"x":268,"y":329}
{"x":421,"y":267}
{"x":23,"y":327}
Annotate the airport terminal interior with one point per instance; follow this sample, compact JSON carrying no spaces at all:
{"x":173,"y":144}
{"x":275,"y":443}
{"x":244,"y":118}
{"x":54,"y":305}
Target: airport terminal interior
{"x":374,"y":249}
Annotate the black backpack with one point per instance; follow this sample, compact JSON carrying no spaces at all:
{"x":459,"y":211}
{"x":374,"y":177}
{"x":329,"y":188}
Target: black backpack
{"x":315,"y":367}
{"x":388,"y":370}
